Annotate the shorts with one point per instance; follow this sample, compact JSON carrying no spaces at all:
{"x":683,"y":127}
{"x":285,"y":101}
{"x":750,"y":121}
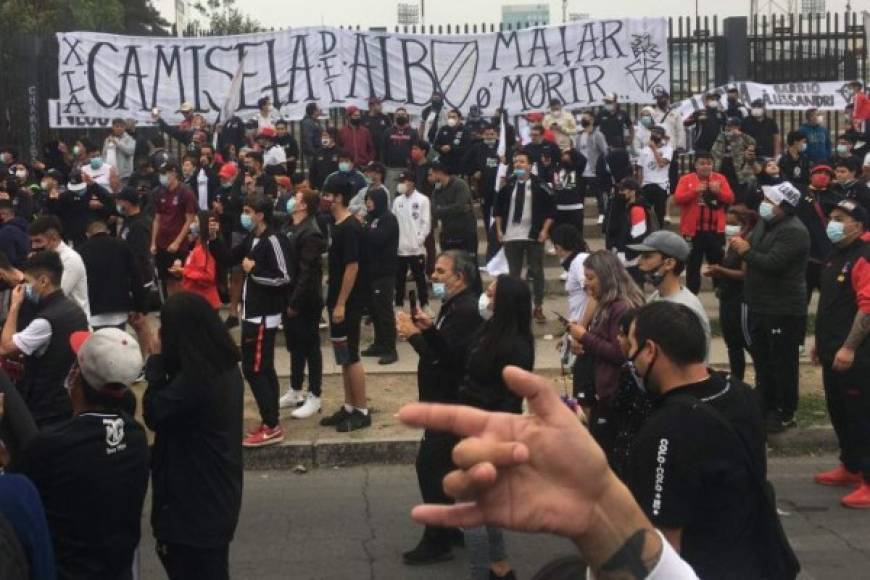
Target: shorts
{"x":344,"y":336}
{"x":163,"y":261}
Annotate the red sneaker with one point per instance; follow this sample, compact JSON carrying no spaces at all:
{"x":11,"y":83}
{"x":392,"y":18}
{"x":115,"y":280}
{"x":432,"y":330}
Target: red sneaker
{"x":839,"y":476}
{"x":265,"y":436}
{"x":858,"y":499}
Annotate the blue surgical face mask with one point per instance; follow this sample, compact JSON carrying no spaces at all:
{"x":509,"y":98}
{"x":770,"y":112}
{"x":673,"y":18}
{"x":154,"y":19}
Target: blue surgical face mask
{"x":247,"y":222}
{"x":291,"y":205}
{"x":836,"y":232}
{"x":483,"y":306}
{"x":439,"y":290}
{"x":96,"y":163}
{"x":519,"y":172}
{"x":646,"y":121}
{"x":842,"y":149}
{"x":164,"y":180}
{"x":731,"y":231}
{"x":345,"y":167}
{"x":765,"y":210}
{"x":194,"y":230}
{"x":119,"y":209}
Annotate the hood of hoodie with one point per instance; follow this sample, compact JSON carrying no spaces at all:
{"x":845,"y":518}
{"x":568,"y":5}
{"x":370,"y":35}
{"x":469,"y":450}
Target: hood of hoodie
{"x":379,"y":198}
{"x":17,"y":222}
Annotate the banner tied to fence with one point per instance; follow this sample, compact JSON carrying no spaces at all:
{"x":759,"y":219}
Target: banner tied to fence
{"x":103,"y":76}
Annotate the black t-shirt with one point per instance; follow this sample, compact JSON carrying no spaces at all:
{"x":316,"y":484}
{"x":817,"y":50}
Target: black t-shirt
{"x":688,"y":470}
{"x":345,"y":249}
{"x":763,"y":131}
{"x":92,"y":474}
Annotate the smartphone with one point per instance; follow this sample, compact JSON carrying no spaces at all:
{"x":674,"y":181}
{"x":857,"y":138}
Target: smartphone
{"x":561,"y":318}
{"x":412,"y":300}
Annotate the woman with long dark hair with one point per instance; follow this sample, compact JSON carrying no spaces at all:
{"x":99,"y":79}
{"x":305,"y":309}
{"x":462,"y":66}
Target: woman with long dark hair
{"x":505,"y":339}
{"x":614,"y":291}
{"x":194,"y":406}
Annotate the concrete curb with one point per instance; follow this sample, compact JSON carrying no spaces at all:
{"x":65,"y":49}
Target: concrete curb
{"x":403,"y":451}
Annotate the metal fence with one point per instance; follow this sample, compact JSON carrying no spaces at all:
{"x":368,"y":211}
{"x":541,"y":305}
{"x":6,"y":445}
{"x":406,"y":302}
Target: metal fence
{"x":782,"y":48}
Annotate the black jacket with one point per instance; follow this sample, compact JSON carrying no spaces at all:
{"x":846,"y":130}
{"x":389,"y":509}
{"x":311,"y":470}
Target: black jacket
{"x":543,"y":206}
{"x":137,"y":232}
{"x":811,"y":213}
{"x":74,"y":211}
{"x":114,"y":279}
{"x":483,"y":158}
{"x":457,"y":138}
{"x":855,"y":190}
{"x":266,"y":287}
{"x":397,"y":146}
{"x":442,"y":348}
{"x":14,"y":241}
{"x":323,"y":164}
{"x":776,"y":266}
{"x":381,"y":238}
{"x":196,"y":460}
{"x":42,"y":384}
{"x":839,"y":301}
{"x":307,"y":244}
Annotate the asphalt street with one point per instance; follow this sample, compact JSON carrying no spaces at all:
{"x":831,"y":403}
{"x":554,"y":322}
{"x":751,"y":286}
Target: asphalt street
{"x":351,"y":524}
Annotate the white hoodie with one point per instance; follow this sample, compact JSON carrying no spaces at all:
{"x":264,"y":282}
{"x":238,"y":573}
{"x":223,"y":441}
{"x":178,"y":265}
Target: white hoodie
{"x":415,"y":222}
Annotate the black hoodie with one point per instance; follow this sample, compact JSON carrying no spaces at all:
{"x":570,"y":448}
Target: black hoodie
{"x":381,"y":237}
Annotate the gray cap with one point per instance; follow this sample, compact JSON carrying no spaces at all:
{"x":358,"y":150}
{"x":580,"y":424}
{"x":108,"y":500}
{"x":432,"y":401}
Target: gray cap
{"x":665,"y":242}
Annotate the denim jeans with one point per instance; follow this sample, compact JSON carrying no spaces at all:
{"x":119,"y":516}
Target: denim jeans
{"x":485,"y":545}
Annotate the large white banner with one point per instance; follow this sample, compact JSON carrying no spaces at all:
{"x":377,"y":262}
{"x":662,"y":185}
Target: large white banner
{"x":103,"y":76}
{"x":826,"y":96}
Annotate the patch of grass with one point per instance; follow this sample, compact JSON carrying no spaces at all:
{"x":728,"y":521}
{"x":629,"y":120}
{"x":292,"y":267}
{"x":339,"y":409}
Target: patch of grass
{"x":812,"y":410}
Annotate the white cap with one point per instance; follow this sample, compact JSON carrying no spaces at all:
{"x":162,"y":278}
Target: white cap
{"x":782,"y":192}
{"x":107,"y":357}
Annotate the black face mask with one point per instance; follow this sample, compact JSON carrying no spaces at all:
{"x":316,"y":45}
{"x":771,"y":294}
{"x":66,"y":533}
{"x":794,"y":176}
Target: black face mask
{"x":354,"y":121}
{"x":401,"y":120}
{"x":585,"y":122}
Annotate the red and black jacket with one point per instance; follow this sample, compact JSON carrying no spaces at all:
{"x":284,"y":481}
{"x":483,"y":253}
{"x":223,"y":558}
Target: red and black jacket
{"x":845,"y":289}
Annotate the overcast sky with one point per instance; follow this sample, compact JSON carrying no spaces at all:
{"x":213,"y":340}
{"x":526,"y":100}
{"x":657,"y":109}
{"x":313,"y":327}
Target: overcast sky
{"x":284,"y":13}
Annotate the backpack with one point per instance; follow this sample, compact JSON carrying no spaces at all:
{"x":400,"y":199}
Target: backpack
{"x":778,"y":560}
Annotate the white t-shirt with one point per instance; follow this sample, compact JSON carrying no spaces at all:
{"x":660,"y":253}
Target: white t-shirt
{"x":34,"y":338}
{"x":74,"y":282}
{"x":99,"y":176}
{"x":867,"y":160}
{"x":519,"y":231}
{"x":575,"y":286}
{"x":652,"y":173}
{"x":274,"y":156}
{"x":686,"y":298}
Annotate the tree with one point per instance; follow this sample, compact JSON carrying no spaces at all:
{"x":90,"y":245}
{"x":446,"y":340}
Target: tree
{"x":50,"y":16}
{"x":224,"y":18}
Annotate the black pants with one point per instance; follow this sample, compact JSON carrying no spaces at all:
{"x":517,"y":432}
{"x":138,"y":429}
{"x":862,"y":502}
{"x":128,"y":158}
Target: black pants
{"x":814,"y":278}
{"x":258,"y":366}
{"x":592,"y":185}
{"x":709,"y":245}
{"x":302,"y":334}
{"x":776,"y":342}
{"x":185,"y":562}
{"x":848,"y":398}
{"x":434,"y":462}
{"x":658,"y":197}
{"x":575,"y":217}
{"x":417,"y":265}
{"x":734,"y":319}
{"x":603,"y":427}
{"x":383,"y":315}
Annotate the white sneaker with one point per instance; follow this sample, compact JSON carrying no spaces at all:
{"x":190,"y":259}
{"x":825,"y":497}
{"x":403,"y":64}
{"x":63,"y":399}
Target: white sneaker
{"x":600,"y":219}
{"x":292,"y":398}
{"x":311,"y":406}
{"x":563,"y":276}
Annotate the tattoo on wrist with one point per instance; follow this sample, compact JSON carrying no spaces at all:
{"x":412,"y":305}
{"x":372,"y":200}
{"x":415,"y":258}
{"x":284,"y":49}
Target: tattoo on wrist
{"x":860,"y":330}
{"x":629,"y":562}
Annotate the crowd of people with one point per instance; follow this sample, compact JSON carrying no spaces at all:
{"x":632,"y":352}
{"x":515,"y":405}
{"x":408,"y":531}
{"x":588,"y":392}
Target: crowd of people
{"x":95,"y":236}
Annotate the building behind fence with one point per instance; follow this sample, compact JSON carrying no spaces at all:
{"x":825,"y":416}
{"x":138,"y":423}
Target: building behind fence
{"x":703,"y":52}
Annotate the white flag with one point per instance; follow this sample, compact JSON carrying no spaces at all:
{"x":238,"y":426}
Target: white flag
{"x":502,"y":151}
{"x":231,"y":102}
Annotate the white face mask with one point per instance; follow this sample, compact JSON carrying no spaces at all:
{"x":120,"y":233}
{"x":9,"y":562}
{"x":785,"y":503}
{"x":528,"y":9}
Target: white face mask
{"x":757,"y":113}
{"x":731,"y":231}
{"x":452,"y":122}
{"x":483,"y":306}
{"x":401,"y":189}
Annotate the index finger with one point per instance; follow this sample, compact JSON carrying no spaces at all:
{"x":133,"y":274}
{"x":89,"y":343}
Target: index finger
{"x":456,"y":419}
{"x":538,"y":391}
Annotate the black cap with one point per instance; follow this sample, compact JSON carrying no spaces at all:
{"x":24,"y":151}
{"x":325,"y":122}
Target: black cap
{"x":855,"y":210}
{"x":55,"y":175}
{"x":129,"y":195}
{"x":437,"y":165}
{"x":628,"y":183}
{"x":757,"y":103}
{"x":76,"y":182}
{"x":658,"y":130}
{"x":733,"y":122}
{"x":407,"y":176}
